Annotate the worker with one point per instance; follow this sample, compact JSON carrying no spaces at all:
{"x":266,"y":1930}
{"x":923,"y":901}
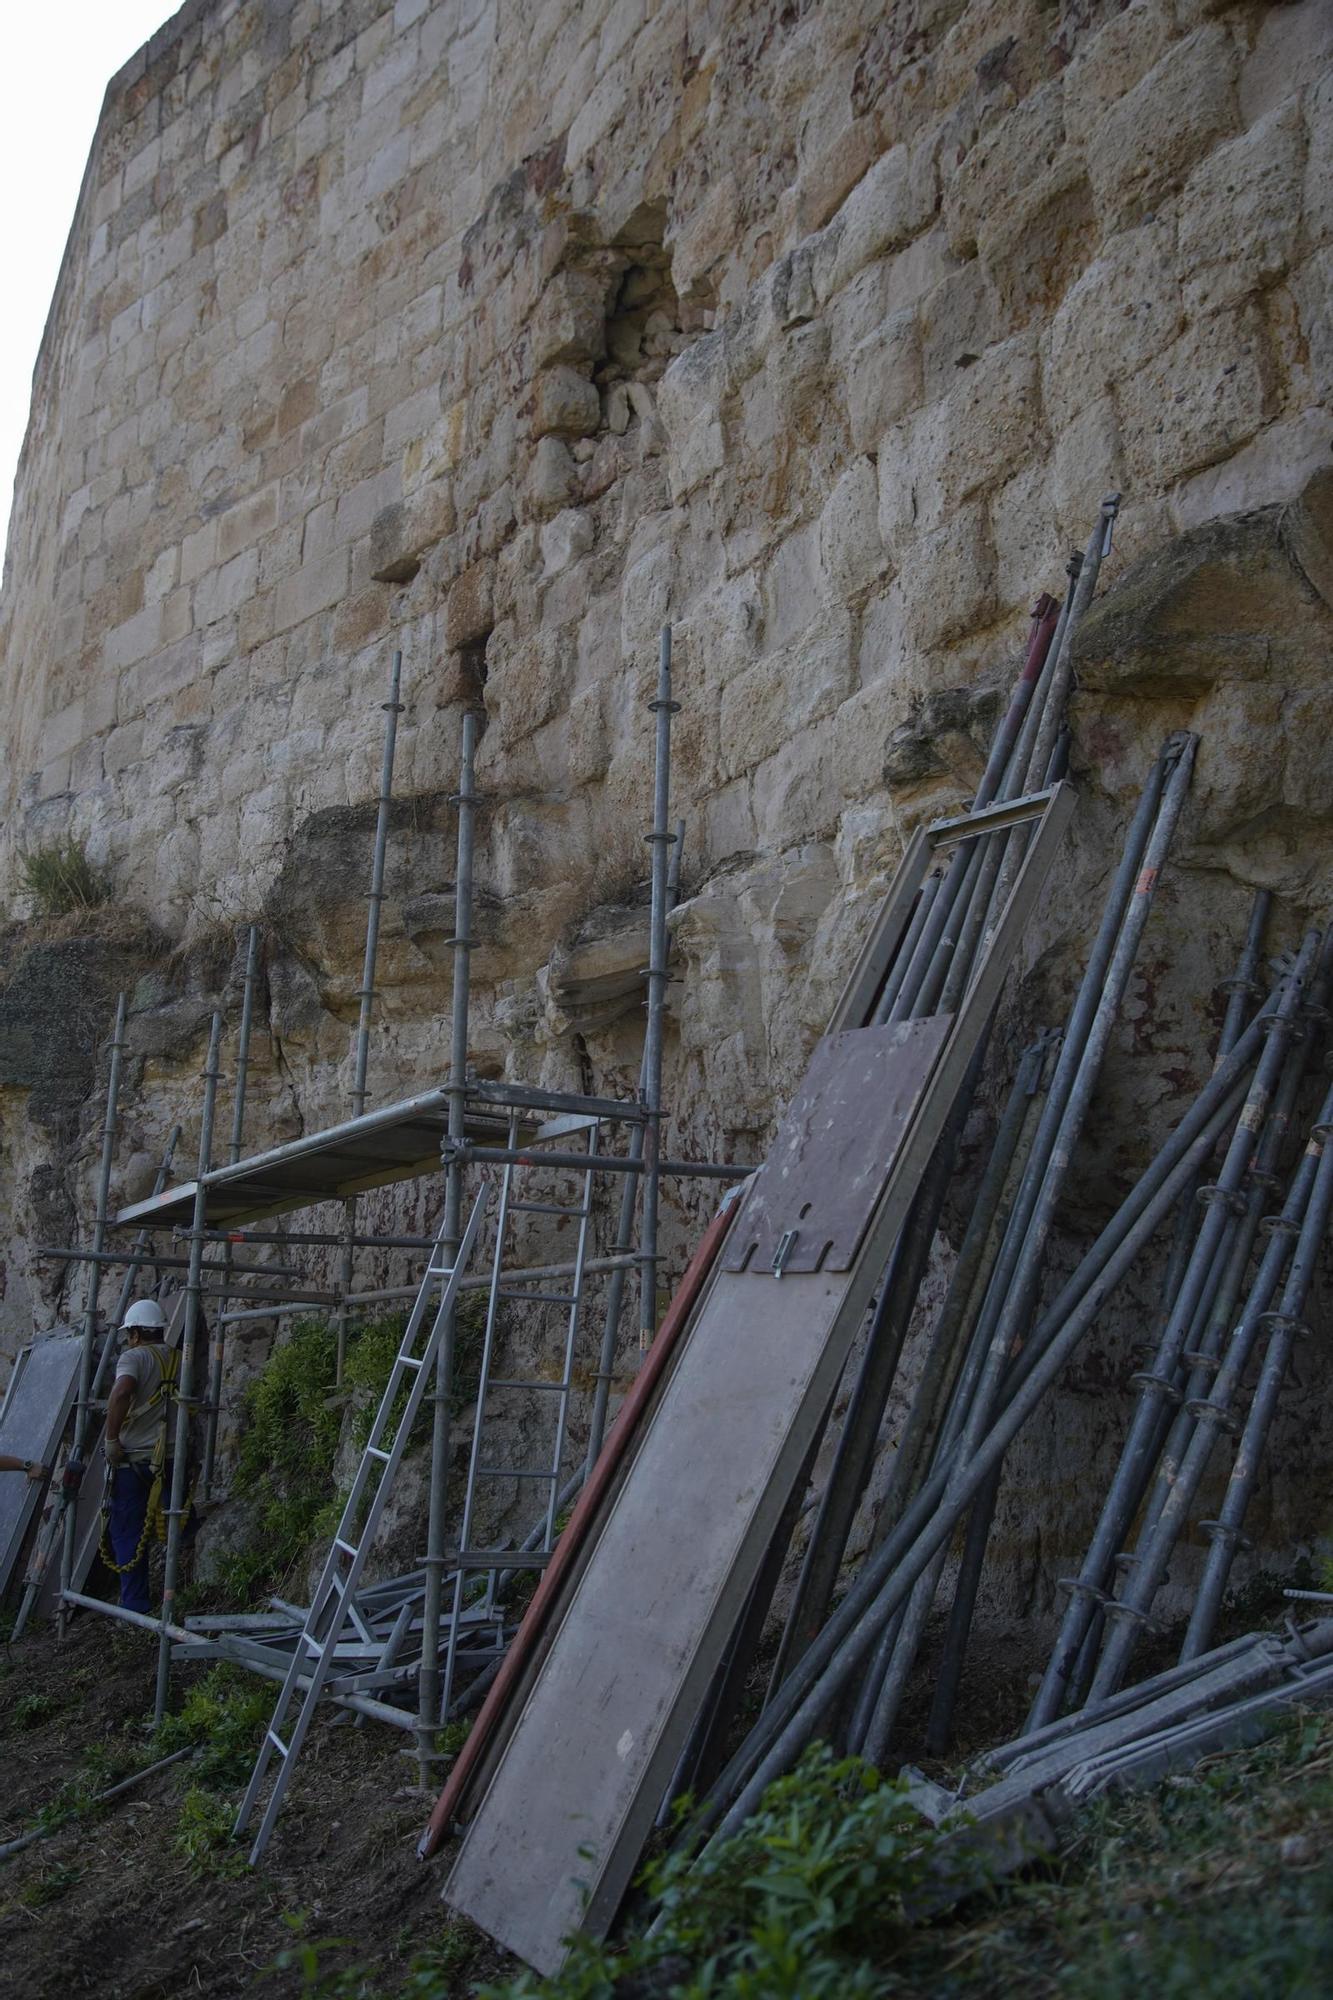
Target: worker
{"x":137,"y":1446}
{"x":32,"y":1466}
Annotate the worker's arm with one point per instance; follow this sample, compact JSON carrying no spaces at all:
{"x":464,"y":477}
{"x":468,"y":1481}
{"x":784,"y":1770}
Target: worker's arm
{"x":32,"y":1466}
{"x":119,"y":1404}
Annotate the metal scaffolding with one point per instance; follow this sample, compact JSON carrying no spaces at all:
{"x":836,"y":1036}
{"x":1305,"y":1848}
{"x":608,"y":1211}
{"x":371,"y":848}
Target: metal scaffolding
{"x":407,"y":1649}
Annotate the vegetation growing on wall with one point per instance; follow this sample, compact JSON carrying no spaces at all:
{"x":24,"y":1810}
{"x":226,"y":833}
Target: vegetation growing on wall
{"x":292,"y":1428}
{"x":59,"y":878}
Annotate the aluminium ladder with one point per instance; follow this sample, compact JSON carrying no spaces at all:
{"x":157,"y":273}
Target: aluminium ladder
{"x":536,"y":1550}
{"x":333,"y":1605}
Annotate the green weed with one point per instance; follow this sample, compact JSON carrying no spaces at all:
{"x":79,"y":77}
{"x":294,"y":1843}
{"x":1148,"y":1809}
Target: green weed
{"x":225,"y":1714}
{"x":30,"y":1709}
{"x":306,"y":1956}
{"x":59,"y":877}
{"x":290,"y":1438}
{"x":48,"y":1887}
{"x":203,"y":1836}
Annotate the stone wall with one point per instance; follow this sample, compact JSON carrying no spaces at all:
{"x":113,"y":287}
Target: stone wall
{"x":501,"y":333}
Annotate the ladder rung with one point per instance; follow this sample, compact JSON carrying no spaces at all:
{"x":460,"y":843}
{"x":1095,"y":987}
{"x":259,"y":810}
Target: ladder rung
{"x":373,"y":1451}
{"x":549,"y":1388}
{"x":542,"y":1298}
{"x":507,"y":1472}
{"x":544,"y":1208}
{"x":439,"y":1270}
{"x":408,"y":1361}
{"x":348,"y":1548}
{"x":277,"y":1742}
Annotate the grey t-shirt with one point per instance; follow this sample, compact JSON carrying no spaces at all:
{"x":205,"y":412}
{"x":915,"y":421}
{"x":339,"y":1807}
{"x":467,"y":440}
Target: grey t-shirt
{"x":144,"y":1365}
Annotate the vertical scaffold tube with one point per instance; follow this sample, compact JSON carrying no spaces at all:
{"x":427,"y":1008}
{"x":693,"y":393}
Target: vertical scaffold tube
{"x":428,"y":1685}
{"x":189,"y":1339}
{"x":662,"y":840}
{"x":393,"y":708}
{"x":629,"y":1194}
{"x":81,"y":1416}
{"x":217,"y":1344}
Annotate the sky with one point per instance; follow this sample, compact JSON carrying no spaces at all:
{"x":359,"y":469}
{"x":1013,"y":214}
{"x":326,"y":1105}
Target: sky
{"x":55,"y":64}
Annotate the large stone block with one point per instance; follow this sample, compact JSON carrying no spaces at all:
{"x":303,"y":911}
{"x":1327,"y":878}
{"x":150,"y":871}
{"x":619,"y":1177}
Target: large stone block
{"x":1145,"y":143}
{"x":959,"y":319}
{"x":313,"y":588}
{"x":1317,"y":204}
{"x":1002,"y":162}
{"x":883,"y":379}
{"x":569,"y":323}
{"x":894,"y":202}
{"x":776,"y":700}
{"x":948,"y":579}
{"x":1197,"y":402}
{"x":851,"y":547}
{"x":565,"y":404}
{"x":469,"y":610}
{"x":1240,"y":213}
{"x":1109,"y":60}
{"x":1123,"y":312}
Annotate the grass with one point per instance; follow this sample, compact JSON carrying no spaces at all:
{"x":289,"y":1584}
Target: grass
{"x":59,"y":878}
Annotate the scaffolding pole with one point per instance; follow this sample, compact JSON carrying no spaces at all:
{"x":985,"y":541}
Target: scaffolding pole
{"x":218,"y":1344}
{"x":82,"y":1411}
{"x":428,"y":1686}
{"x":393,"y":708}
{"x":194,"y":1285}
{"x":662,"y":840}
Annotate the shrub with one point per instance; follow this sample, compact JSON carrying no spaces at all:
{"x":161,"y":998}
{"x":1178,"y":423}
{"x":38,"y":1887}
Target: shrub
{"x":798,"y":1905}
{"x":59,"y":878}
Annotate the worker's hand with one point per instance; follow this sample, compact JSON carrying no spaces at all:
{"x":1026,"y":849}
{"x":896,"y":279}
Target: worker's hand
{"x":115,"y":1451}
{"x":35,"y":1470}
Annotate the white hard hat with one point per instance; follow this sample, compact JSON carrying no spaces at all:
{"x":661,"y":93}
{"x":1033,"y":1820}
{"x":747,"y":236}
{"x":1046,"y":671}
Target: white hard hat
{"x":145,"y":1313}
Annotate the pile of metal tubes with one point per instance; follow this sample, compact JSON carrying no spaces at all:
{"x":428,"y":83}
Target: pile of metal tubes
{"x":999,"y":1342}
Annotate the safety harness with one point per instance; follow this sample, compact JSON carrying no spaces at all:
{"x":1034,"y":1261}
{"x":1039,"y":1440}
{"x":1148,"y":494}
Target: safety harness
{"x":164,"y":1396}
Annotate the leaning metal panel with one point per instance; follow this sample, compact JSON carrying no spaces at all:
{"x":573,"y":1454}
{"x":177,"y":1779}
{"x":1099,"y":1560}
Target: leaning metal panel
{"x":812,"y":1200}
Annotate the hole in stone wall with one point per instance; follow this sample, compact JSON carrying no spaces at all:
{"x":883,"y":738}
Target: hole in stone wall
{"x":647,"y":324}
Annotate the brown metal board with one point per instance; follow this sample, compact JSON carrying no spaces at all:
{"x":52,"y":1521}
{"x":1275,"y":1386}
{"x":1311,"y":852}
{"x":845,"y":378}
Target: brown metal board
{"x":812,"y":1200}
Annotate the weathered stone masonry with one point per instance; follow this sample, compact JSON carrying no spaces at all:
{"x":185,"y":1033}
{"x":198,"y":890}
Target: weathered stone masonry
{"x":502,"y":332}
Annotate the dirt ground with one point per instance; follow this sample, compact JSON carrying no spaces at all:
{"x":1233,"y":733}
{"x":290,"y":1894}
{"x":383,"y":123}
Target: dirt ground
{"x":107,"y":1906}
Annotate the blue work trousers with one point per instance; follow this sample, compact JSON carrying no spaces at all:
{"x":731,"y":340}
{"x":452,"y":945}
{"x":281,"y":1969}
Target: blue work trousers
{"x":131,"y":1486}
